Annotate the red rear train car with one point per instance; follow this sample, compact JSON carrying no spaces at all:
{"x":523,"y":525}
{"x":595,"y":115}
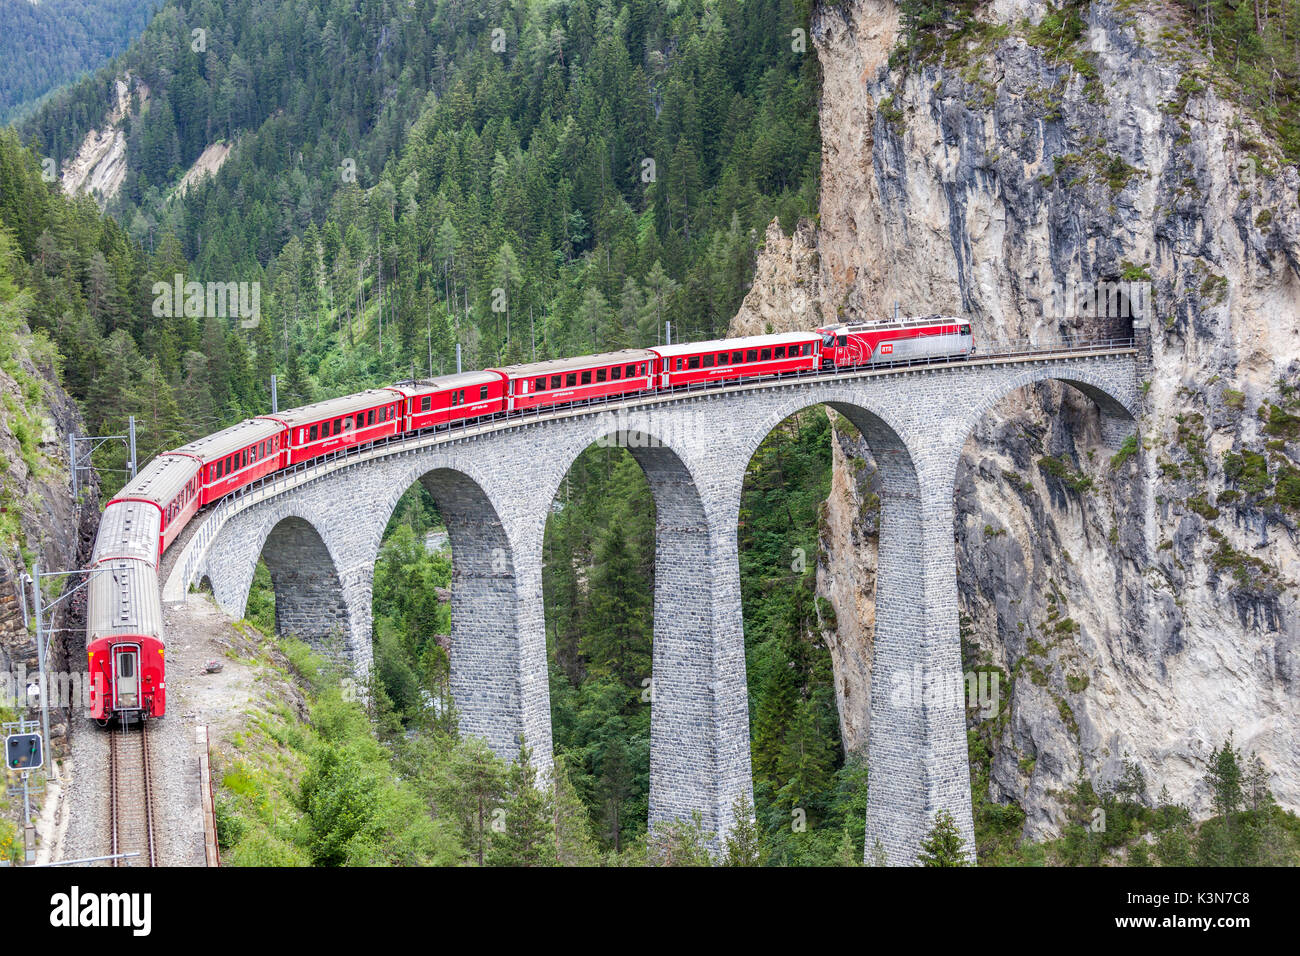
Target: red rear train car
{"x":124,"y":641}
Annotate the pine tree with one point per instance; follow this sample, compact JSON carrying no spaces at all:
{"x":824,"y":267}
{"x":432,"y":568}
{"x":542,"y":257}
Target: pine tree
{"x":476,"y":783}
{"x":943,"y":845}
{"x":744,"y":845}
{"x":525,"y":835}
{"x":574,"y":844}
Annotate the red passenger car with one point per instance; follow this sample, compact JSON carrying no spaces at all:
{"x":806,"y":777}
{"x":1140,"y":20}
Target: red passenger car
{"x":723,"y":359}
{"x":170,"y":487}
{"x":437,"y":402}
{"x":578,"y":380}
{"x":235,"y":456}
{"x":338,"y":423}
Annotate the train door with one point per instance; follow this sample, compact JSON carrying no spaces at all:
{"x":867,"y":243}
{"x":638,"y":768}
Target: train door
{"x":126,"y":677}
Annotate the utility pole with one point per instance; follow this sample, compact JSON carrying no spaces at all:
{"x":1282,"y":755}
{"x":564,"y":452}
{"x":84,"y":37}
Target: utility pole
{"x":78,"y":463}
{"x":668,"y":333}
{"x":45,"y":630}
{"x":275,"y":399}
{"x":38,"y":604}
{"x":457,"y":358}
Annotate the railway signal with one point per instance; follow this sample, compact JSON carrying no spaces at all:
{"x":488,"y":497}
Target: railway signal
{"x":24,"y":752}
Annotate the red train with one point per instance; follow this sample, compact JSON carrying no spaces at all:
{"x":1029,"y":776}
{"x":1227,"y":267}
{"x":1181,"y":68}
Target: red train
{"x":124,"y":638}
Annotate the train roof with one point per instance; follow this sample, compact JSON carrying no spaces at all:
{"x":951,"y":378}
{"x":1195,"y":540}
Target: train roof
{"x":162,"y":479}
{"x":123,"y":600}
{"x":623,"y":356}
{"x":875,"y":325}
{"x":442,"y":383}
{"x":332,"y":407}
{"x":128,"y":529}
{"x":724,"y":345}
{"x":234,"y":438}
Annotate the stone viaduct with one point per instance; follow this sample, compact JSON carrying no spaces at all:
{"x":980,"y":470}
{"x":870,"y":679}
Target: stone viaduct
{"x":319,"y":532}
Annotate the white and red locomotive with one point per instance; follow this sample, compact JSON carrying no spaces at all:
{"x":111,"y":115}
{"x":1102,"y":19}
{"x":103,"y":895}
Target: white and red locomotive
{"x":124,"y":639}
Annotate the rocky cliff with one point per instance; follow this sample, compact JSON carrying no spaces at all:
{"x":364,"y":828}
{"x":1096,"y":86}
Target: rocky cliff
{"x":1140,"y":604}
{"x":40,"y":521}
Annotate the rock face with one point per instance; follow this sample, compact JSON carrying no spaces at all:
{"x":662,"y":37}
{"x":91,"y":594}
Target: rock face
{"x":99,"y":167}
{"x":1141,"y":604}
{"x":48,"y":525}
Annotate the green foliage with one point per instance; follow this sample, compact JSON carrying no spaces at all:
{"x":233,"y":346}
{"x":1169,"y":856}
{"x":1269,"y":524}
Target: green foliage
{"x":44,"y":45}
{"x":943,"y":844}
{"x":525,"y":835}
{"x":1076,"y":481}
{"x":1126,"y":451}
{"x":1248,"y":470}
{"x":744,"y":845}
{"x":1255,"y":46}
{"x":607,"y":171}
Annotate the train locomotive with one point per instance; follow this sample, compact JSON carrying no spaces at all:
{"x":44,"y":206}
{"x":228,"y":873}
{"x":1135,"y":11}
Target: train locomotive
{"x":124,"y":635}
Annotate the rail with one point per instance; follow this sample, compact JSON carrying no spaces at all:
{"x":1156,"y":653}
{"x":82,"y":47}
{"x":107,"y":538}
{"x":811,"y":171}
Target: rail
{"x":130,"y":796}
{"x":301,"y":472}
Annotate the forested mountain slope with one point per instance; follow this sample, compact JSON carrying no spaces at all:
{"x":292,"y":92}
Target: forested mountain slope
{"x":608,"y":169}
{"x":45,"y":45}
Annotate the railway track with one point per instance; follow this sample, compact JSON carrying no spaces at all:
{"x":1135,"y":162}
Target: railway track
{"x":131,"y":796}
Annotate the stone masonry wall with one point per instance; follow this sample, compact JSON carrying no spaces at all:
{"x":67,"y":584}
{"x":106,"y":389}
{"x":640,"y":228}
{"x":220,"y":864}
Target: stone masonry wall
{"x":496,"y":488}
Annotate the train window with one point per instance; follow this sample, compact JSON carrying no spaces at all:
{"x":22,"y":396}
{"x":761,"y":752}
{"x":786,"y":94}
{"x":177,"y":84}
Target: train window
{"x":737,"y":358}
{"x":693,"y":362}
{"x":679,"y":364}
{"x":482,"y":393}
{"x":708,"y":361}
{"x":765,"y":355}
{"x":264,"y":449}
{"x":370,"y":417}
{"x":313,"y":433}
{"x":540,"y":384}
{"x":586,"y":378}
{"x":616,"y":373}
{"x":125,"y":665}
{"x":252,"y":454}
{"x":807,"y":349}
{"x":780,"y":351}
{"x":555,"y":381}
{"x":338,"y":425}
{"x":965,"y":330}
{"x":751,"y":355}
{"x":842,"y":340}
{"x":722,"y":359}
{"x":602,"y":374}
{"x":455,"y":399}
{"x":571,"y":380}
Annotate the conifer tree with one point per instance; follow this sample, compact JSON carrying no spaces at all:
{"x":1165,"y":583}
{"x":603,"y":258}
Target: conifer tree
{"x":943,"y":845}
{"x":525,"y":835}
